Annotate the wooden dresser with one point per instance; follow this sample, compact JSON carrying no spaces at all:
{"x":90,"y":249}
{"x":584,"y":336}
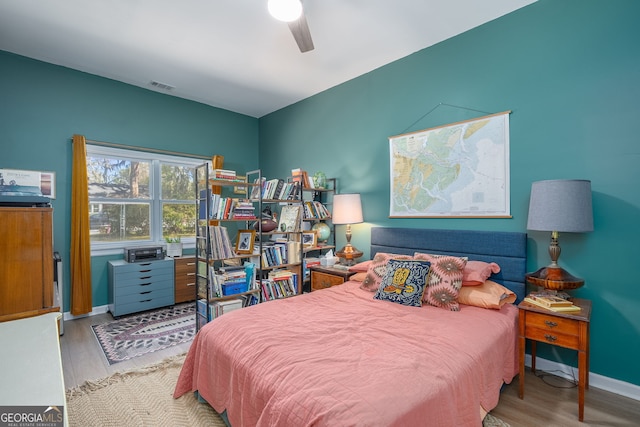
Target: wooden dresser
{"x":26,"y":264}
{"x":140,"y":286}
{"x":185,"y":279}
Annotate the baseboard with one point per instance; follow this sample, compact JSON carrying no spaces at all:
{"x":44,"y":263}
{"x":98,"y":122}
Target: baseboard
{"x":612,"y":385}
{"x":96,"y":310}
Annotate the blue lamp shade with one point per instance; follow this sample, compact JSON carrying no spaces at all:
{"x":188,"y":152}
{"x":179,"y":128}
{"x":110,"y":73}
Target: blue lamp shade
{"x":561,"y":205}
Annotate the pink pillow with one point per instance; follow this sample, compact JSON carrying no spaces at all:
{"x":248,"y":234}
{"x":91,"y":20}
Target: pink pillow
{"x":361,"y":267}
{"x":476,"y":272}
{"x":377,"y":269}
{"x":488,"y":295}
{"x":445,"y":280}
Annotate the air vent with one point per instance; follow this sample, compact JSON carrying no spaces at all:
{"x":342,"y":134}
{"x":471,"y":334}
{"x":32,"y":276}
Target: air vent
{"x":162,"y":86}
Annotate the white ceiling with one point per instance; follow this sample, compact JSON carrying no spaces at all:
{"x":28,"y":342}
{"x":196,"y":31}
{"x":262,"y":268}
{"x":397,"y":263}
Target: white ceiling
{"x":230,"y":53}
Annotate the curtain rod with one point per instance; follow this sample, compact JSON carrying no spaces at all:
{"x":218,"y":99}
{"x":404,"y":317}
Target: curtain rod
{"x":145,"y":149}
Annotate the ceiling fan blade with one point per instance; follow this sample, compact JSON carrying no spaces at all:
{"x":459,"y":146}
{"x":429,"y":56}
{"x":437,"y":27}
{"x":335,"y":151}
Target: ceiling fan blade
{"x":301,"y":33}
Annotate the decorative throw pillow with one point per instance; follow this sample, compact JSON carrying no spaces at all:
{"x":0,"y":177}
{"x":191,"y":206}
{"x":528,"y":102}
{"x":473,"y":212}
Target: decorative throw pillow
{"x":404,"y":282}
{"x":488,"y":295}
{"x":476,"y":272}
{"x":377,"y":268}
{"x":445,"y":280}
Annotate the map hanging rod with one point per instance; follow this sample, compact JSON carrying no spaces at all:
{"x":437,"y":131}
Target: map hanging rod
{"x":436,"y":107}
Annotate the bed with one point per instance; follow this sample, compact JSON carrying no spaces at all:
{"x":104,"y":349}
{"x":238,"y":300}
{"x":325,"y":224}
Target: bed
{"x":339,"y":356}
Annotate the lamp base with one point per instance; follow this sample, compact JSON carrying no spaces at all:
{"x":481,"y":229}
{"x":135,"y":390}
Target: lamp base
{"x":554,"y":278}
{"x":349,"y":254}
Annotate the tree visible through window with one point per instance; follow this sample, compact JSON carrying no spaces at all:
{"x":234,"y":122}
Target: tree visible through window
{"x":137,"y":197}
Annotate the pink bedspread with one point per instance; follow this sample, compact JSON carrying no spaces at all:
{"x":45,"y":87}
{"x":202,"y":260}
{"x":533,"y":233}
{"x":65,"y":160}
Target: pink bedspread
{"x":337,"y":357}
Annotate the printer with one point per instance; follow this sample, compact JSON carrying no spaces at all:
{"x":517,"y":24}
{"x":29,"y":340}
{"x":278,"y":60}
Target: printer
{"x":143,"y":253}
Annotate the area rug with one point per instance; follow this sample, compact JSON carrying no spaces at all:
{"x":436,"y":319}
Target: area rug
{"x":139,"y":334}
{"x":144,"y":397}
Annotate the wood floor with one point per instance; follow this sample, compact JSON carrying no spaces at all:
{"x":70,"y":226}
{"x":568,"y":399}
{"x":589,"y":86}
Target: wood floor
{"x":543,"y":404}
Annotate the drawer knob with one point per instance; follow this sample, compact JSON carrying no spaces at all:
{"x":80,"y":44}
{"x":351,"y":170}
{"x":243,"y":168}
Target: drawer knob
{"x":550,"y":324}
{"x":550,"y":338}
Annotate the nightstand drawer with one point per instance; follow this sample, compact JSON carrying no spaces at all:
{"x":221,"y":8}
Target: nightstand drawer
{"x":553,"y":323}
{"x":553,"y":337}
{"x":324,"y":280}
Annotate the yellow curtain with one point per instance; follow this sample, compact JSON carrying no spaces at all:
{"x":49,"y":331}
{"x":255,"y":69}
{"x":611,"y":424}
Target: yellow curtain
{"x":81,"y":299}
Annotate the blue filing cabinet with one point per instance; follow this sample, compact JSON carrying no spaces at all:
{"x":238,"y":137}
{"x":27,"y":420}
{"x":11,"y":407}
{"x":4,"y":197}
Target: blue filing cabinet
{"x":140,"y":286}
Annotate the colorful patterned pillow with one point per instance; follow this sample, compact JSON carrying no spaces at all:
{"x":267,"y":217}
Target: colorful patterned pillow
{"x":445,"y":280}
{"x":404,"y":282}
{"x":377,"y":268}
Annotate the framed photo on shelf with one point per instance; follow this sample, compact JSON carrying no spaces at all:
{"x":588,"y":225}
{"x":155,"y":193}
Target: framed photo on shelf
{"x":244,"y":242}
{"x":309,"y":239}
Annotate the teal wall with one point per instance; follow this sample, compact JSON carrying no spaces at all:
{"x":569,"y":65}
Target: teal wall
{"x":569,"y":71}
{"x":43,"y":105}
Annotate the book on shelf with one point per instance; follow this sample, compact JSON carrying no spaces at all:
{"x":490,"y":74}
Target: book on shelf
{"x":301,"y":176}
{"x":257,"y":188}
{"x":289,"y":218}
{"x":315,"y":210}
{"x":220,"y":244}
{"x":279,"y":284}
{"x":224,"y":174}
{"x":559,"y":309}
{"x":218,"y":308}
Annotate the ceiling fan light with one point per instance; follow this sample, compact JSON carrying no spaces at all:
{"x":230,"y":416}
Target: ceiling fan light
{"x":285,"y":10}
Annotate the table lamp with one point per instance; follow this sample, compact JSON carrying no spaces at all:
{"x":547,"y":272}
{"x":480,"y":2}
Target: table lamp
{"x":559,"y":206}
{"x":347,"y":209}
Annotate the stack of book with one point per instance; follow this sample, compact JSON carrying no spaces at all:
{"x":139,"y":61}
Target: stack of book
{"x":242,"y":209}
{"x":551,"y":302}
{"x":225,"y":174}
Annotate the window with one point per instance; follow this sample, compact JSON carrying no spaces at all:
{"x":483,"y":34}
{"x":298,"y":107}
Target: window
{"x":138,"y":198}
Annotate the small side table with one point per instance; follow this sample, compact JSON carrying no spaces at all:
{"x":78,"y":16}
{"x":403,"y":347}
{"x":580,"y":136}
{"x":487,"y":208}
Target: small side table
{"x":326,"y":277}
{"x":569,"y":330}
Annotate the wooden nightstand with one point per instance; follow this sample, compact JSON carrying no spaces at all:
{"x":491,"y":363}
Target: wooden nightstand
{"x":569,"y":330}
{"x":326,"y":277}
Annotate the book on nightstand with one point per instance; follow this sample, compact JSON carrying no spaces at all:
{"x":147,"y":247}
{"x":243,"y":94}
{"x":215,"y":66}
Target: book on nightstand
{"x":550,"y":300}
{"x":532,"y":299}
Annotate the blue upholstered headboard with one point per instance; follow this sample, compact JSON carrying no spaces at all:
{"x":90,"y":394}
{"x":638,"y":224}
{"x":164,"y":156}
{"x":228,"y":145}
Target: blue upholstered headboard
{"x":507,"y":249}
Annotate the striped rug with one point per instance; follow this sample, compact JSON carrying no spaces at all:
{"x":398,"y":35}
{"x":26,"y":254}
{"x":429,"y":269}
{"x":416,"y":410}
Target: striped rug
{"x":138,"y":334}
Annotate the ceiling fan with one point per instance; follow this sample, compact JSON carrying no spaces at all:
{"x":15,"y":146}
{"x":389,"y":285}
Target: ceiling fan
{"x":291,"y":12}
